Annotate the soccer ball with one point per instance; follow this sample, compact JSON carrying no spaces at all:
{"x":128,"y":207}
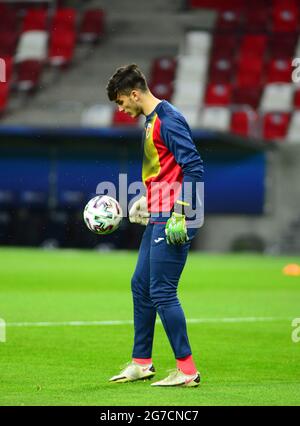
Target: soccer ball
{"x":102,"y":215}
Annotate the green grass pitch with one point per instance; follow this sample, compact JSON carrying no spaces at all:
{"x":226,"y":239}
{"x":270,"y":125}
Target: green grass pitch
{"x":250,"y":362}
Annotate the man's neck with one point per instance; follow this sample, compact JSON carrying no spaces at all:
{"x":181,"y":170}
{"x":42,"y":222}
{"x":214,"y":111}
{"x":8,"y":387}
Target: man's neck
{"x":150,"y":103}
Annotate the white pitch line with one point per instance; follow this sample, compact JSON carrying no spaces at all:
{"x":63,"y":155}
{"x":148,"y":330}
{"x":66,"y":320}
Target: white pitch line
{"x":130,"y":322}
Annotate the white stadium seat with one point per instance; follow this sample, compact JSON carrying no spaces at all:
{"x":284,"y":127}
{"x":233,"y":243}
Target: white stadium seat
{"x":294,"y":129}
{"x":197,"y":43}
{"x":188,"y":93}
{"x":216,"y":118}
{"x":277,"y":97}
{"x":191,"y":68}
{"x":97,"y":116}
{"x":32,"y":46}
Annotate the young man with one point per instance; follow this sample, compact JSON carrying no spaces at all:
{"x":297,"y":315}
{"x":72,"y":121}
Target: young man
{"x":171,"y":160}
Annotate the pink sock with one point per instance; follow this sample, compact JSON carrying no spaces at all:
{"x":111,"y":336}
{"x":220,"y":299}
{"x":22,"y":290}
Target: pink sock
{"x":142,"y":361}
{"x":186,"y":365}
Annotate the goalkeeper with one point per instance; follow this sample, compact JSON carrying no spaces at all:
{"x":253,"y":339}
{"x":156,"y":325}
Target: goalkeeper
{"x":171,"y":160}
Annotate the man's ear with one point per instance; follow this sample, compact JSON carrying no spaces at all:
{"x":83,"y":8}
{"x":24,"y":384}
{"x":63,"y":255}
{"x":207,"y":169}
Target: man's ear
{"x":135,"y":95}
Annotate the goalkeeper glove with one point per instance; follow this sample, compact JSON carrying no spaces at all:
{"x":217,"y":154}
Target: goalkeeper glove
{"x":176,"y":231}
{"x":138,"y":212}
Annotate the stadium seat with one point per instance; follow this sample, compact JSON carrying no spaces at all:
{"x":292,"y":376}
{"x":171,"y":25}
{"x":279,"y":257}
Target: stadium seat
{"x":253,"y":45}
{"x":191,"y":68}
{"x":293,"y":135}
{"x":242,"y":122}
{"x":9,"y":20}
{"x":8,"y":42}
{"x":285,"y":16}
{"x":297,"y":98}
{"x":229,"y":20}
{"x":217,"y":118}
{"x":64,"y":20}
{"x":163,"y":70}
{"x":188,"y":93}
{"x":197,"y":43}
{"x":282,"y":45}
{"x":249,"y":72}
{"x":35,"y":20}
{"x":4,"y":96}
{"x":122,"y":119}
{"x":225,"y":45}
{"x":28,"y":74}
{"x":92,"y":25}
{"x":32,"y":46}
{"x":62,"y":47}
{"x":275,"y":126}
{"x":217,"y":4}
{"x":257,"y":18}
{"x":279,"y":70}
{"x":97,"y":116}
{"x":277,"y":97}
{"x":247,"y":96}
{"x":218,"y":94}
{"x":222,"y":69}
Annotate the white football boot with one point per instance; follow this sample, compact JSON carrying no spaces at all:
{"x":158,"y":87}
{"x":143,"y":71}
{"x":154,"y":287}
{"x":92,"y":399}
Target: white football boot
{"x":133,"y":372}
{"x":178,"y":378}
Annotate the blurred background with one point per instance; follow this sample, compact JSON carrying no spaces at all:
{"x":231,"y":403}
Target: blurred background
{"x":227,"y":65}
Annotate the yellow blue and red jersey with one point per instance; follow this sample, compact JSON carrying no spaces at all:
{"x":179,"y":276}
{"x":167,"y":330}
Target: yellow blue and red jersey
{"x":170,"y":157}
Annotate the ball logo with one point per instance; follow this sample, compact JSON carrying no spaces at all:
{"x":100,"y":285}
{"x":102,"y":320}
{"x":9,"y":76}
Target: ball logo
{"x":2,"y":71}
{"x":296,"y":331}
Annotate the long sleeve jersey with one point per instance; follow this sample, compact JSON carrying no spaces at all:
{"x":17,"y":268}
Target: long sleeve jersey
{"x":170,"y":158}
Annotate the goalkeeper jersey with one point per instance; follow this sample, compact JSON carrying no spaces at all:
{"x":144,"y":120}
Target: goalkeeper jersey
{"x":170,"y":158}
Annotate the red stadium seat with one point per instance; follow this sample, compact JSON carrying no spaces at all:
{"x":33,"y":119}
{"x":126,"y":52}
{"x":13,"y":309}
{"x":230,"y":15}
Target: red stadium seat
{"x":218,"y":95}
{"x":61,"y":49}
{"x":249,"y":71}
{"x":217,"y":4}
{"x":282,"y":45}
{"x":279,"y":70}
{"x":253,"y":45}
{"x":229,"y":20}
{"x":222,"y":69}
{"x":92,"y":25}
{"x":247,"y":96}
{"x":28,"y":74}
{"x":285,"y":16}
{"x":297,"y":98}
{"x":242,"y":121}
{"x":257,"y":18}
{"x":225,"y":45}
{"x":9,"y":20}
{"x":8,"y":43}
{"x":163,"y":70}
{"x":4,"y":96}
{"x":64,"y":20}
{"x":120,"y":118}
{"x":275,"y":126}
{"x":62,"y":37}
{"x":35,"y":19}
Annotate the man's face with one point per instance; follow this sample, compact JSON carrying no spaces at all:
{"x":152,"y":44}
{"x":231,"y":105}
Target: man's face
{"x":131,"y":104}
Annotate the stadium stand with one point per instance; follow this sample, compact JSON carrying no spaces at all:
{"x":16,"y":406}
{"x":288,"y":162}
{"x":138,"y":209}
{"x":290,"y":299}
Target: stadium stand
{"x":239,"y":59}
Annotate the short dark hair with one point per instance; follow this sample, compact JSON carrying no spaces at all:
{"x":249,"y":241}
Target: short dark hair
{"x":124,"y":80}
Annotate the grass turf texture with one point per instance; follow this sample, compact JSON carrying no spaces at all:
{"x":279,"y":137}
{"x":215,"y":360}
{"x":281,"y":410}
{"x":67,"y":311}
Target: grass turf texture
{"x":246,"y":363}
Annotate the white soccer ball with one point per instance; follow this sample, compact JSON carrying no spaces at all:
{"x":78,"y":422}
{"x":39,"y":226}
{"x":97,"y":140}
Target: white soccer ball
{"x":102,"y":215}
